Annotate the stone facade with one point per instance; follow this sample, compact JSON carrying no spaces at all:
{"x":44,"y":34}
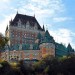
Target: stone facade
{"x":28,"y":40}
{"x":47,"y":49}
{"x":21,"y":55}
{"x":23,"y":29}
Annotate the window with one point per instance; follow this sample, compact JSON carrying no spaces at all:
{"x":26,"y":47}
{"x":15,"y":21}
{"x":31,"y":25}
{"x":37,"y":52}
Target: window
{"x":27,"y":25}
{"x":19,"y":23}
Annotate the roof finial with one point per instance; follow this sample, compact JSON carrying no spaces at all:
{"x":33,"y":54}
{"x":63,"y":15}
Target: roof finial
{"x":17,"y":11}
{"x":34,"y":15}
{"x":43,"y":27}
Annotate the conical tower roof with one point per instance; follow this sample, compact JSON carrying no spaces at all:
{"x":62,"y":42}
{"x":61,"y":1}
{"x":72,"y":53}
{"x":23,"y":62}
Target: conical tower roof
{"x":69,"y":48}
{"x":48,"y":38}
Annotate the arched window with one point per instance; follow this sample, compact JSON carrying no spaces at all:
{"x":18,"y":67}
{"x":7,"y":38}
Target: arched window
{"x":27,"y":25}
{"x":19,"y":23}
{"x":35,"y":26}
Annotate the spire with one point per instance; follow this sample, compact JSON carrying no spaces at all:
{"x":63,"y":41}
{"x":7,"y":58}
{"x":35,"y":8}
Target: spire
{"x":43,"y":28}
{"x":47,"y":33}
{"x":48,"y":38}
{"x":34,"y":15}
{"x":69,"y":48}
{"x":69,"y":45}
{"x":7,"y":28}
{"x":17,"y":11}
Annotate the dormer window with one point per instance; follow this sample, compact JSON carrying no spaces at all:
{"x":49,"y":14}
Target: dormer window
{"x":19,"y":23}
{"x":35,"y":26}
{"x":27,"y":25}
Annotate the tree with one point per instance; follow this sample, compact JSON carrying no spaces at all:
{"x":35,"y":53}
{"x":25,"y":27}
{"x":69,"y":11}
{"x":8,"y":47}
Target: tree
{"x":3,"y":41}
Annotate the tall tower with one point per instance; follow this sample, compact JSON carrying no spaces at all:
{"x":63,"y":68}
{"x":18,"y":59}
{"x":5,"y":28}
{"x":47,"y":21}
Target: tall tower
{"x":48,"y":45}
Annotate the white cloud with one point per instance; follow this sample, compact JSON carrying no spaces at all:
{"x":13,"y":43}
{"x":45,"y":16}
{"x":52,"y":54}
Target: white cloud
{"x":42,"y":9}
{"x":52,"y":4}
{"x":4,"y":5}
{"x":4,"y":0}
{"x":61,"y":19}
{"x":41,"y":2}
{"x":5,"y":22}
{"x":64,"y":36}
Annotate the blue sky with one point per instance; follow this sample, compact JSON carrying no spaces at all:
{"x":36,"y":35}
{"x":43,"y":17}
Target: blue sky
{"x":56,"y":15}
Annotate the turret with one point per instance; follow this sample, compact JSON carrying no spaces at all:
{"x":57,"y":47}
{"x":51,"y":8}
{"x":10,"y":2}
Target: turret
{"x":7,"y":28}
{"x":69,"y":49}
{"x":43,"y":28}
{"x":47,"y":45}
{"x":48,"y":38}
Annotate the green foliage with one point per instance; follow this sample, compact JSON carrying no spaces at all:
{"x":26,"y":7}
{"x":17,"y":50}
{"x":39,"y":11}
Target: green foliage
{"x":14,"y":65}
{"x":47,"y":66}
{"x":46,"y":69}
{"x":54,"y":66}
{"x":3,"y":41}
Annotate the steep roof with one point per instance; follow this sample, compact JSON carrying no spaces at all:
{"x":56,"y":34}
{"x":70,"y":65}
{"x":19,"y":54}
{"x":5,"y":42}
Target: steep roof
{"x":47,"y":34}
{"x":60,"y":47}
{"x":69,"y":48}
{"x":24,"y":18}
{"x":48,"y":38}
{"x":60,"y":50}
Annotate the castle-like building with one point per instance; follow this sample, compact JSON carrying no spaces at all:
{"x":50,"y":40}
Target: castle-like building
{"x":28,"y":40}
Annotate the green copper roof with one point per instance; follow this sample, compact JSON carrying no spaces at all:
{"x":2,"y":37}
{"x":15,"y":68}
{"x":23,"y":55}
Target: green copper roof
{"x":47,"y":34}
{"x":60,"y":50}
{"x":69,"y":48}
{"x":61,"y":47}
{"x":48,"y":38}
